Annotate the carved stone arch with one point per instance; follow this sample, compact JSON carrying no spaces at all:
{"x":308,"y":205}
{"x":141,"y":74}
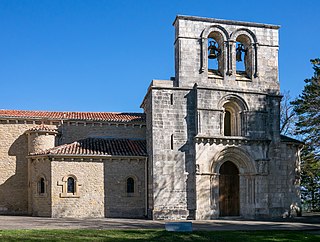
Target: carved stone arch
{"x":244,"y":31}
{"x":65,"y":178}
{"x":221,"y":36}
{"x":42,"y":175}
{"x":215,"y":28}
{"x":241,"y":158}
{"x":250,"y":42}
{"x":235,"y":185}
{"x":233,"y":118}
{"x":235,"y":99}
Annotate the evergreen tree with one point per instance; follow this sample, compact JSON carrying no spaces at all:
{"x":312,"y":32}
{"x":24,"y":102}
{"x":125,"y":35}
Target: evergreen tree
{"x":307,"y":108}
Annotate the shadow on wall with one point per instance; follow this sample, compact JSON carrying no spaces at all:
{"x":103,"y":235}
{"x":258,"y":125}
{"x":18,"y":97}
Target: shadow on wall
{"x":14,"y":191}
{"x":189,"y":150}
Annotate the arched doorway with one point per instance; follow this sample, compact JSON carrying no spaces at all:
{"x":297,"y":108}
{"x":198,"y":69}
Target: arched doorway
{"x":229,"y":202}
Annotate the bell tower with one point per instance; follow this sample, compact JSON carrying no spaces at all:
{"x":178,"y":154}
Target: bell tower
{"x":220,"y":112}
{"x":220,"y":53}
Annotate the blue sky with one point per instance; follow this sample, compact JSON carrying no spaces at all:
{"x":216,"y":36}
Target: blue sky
{"x":101,"y":55}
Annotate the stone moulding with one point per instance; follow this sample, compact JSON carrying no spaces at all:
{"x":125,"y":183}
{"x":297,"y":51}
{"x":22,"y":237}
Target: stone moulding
{"x":230,"y":140}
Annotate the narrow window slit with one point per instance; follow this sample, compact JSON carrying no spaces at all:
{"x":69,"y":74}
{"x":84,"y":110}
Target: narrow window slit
{"x":171,"y":98}
{"x":41,"y":186}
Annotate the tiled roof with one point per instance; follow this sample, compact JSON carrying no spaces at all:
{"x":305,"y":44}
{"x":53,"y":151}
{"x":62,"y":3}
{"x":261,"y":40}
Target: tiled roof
{"x":86,"y":116}
{"x":289,"y":139}
{"x":42,"y":127}
{"x":100,"y":146}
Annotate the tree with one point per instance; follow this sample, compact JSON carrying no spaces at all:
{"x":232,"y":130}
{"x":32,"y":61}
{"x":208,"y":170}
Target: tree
{"x":310,"y":179}
{"x":307,"y":108}
{"x":287,"y":115}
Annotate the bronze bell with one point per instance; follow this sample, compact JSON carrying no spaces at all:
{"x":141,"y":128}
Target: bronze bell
{"x":239,"y":51}
{"x":213,"y":50}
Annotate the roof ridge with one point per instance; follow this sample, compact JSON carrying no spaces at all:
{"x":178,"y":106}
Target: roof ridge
{"x":49,"y":111}
{"x":75,"y":115}
{"x":99,"y":146}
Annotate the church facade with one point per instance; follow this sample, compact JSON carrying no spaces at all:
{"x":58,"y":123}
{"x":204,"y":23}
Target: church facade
{"x":207,"y":145}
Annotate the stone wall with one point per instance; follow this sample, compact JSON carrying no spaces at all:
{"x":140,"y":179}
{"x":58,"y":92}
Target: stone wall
{"x":40,"y":141}
{"x":101,"y":187}
{"x":72,"y":131}
{"x":88,"y":200}
{"x":14,"y":149}
{"x":284,"y":179}
{"x":13,"y":167}
{"x":39,"y":203}
{"x":172,"y":150}
{"x":211,"y":112}
{"x":118,"y":202}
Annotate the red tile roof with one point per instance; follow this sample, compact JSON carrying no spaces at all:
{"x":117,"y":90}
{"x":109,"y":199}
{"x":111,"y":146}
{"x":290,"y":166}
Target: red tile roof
{"x":86,"y":116}
{"x":100,"y":146}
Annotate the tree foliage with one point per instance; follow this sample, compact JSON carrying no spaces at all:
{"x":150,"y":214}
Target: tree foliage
{"x":307,"y":109}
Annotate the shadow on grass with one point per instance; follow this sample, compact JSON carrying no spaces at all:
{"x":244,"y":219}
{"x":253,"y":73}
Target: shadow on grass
{"x":155,"y":235}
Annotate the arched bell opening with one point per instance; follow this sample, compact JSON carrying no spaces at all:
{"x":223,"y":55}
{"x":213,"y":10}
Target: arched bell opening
{"x":215,"y":53}
{"x":229,"y":186}
{"x":243,"y":56}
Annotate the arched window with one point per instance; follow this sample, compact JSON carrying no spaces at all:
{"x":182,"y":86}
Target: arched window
{"x":130,"y":185}
{"x":232,"y":120}
{"x":71,"y":185}
{"x":41,"y":186}
{"x":227,"y":123}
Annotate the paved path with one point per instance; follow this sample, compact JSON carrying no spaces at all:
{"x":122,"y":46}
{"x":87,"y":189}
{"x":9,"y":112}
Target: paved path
{"x":25,"y":222}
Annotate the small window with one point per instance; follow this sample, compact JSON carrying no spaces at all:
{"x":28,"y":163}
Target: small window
{"x":130,"y":185}
{"x":71,"y":185}
{"x":171,"y":142}
{"x":41,"y":186}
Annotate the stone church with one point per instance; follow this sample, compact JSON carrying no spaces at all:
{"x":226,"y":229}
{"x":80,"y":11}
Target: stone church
{"x":206,"y":146}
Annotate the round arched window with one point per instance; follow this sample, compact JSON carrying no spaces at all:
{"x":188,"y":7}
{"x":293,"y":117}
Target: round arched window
{"x":70,"y":185}
{"x":130,"y":185}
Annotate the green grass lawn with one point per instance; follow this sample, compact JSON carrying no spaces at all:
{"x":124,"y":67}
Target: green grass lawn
{"x":155,"y":235}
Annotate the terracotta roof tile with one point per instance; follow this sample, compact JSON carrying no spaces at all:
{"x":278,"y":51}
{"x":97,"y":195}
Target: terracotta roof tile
{"x":87,"y":116}
{"x":100,"y":146}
